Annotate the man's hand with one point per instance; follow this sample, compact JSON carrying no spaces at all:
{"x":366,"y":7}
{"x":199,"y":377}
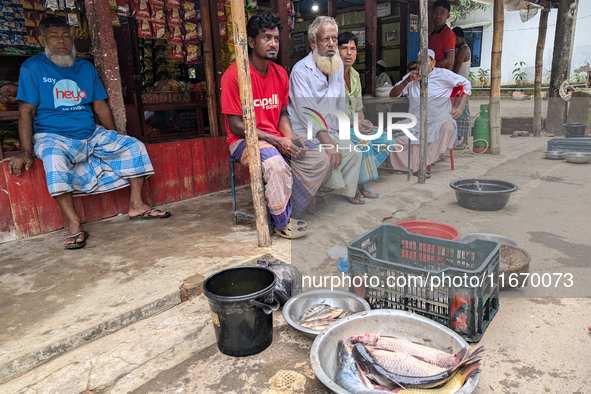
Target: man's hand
{"x":15,"y":163}
{"x":413,"y":76}
{"x":365,"y":127}
{"x":283,"y":145}
{"x":335,"y":157}
{"x":457,"y":112}
{"x":298,"y":149}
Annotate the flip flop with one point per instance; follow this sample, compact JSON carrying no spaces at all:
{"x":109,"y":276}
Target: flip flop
{"x":357,"y":195}
{"x":286,"y":232}
{"x":76,"y":244}
{"x":375,"y":195}
{"x":147,"y":215}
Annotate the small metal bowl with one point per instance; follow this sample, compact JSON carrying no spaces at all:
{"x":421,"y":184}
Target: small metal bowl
{"x":294,"y":307}
{"x":554,"y":155}
{"x":407,"y":325}
{"x":578,"y":157}
{"x":490,"y":237}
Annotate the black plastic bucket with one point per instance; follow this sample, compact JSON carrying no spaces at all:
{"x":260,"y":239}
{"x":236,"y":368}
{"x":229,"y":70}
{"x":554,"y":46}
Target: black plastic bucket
{"x":242,"y":304}
{"x":575,"y":130}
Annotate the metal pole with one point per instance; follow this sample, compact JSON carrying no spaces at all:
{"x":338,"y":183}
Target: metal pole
{"x":424,"y":29}
{"x":248,"y":118}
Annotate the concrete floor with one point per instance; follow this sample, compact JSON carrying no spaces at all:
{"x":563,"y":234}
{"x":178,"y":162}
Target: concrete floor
{"x":50,"y":295}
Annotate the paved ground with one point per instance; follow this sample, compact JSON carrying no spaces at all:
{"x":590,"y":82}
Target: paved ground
{"x":534,"y":345}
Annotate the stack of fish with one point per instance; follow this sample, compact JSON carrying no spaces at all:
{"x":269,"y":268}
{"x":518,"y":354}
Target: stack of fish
{"x":319,"y":316}
{"x":378,"y":364}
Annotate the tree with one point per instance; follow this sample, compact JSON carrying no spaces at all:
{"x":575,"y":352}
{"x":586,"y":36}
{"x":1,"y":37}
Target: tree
{"x":466,"y":6}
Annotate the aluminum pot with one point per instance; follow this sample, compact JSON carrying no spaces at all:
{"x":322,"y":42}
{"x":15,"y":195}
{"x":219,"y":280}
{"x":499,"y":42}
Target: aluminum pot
{"x":578,"y":157}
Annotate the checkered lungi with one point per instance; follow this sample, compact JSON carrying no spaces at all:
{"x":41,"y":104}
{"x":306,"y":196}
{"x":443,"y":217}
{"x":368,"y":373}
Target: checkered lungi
{"x":102,"y":163}
{"x":464,"y":122}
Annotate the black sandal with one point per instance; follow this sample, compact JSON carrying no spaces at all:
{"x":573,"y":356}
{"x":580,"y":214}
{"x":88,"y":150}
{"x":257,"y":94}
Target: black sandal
{"x":76,"y":244}
{"x":427,"y":174}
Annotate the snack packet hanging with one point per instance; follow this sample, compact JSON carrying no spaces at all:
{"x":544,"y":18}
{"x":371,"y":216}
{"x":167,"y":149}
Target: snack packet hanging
{"x":176,"y":34}
{"x":143,"y":29}
{"x":143,"y":10}
{"x":157,"y":12}
{"x":189,"y":12}
{"x":159,"y":30}
{"x":174,"y":16}
{"x":177,"y":52}
{"x":173,"y":3}
{"x":192,"y":54}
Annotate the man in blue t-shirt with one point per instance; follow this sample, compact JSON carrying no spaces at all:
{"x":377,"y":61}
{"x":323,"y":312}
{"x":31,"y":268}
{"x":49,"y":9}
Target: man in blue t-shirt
{"x":56,"y":122}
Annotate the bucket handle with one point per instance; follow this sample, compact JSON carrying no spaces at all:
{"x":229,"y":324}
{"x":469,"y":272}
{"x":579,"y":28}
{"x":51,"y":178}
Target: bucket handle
{"x":268,"y":309}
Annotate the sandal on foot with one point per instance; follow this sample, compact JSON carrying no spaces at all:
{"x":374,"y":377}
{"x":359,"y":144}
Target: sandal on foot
{"x":148,"y":215}
{"x":427,"y":175}
{"x":357,"y":196}
{"x":371,"y":194}
{"x":76,"y":244}
{"x":286,"y":232}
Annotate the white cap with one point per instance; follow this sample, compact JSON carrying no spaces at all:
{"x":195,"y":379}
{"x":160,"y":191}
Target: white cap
{"x":431,"y":54}
{"x":382,"y":63}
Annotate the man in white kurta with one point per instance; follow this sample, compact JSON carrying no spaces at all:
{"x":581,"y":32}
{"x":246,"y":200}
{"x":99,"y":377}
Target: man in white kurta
{"x":316,"y":84}
{"x":441,"y":124}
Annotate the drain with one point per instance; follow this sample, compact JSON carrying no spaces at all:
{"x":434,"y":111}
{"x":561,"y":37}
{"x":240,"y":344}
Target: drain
{"x":290,"y":381}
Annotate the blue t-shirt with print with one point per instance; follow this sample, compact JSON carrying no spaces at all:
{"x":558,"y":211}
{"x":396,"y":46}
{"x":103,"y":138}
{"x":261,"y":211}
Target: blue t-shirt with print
{"x":62,"y":95}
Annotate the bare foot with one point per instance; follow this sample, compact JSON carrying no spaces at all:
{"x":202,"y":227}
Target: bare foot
{"x":321,"y":202}
{"x":313,"y":208}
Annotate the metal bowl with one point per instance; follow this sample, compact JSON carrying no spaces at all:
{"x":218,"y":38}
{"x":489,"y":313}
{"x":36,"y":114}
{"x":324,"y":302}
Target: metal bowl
{"x":578,"y":157}
{"x":490,"y":237}
{"x":294,"y":307}
{"x":323,"y":354}
{"x":554,"y":155}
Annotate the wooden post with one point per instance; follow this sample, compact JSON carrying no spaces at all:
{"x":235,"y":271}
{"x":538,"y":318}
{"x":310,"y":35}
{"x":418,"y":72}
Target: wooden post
{"x":248,"y":118}
{"x":543,"y":26}
{"x":279,"y":7}
{"x":105,"y":57}
{"x":561,"y":61}
{"x":424,"y":30}
{"x":218,"y":67}
{"x":495,"y":77}
{"x":212,"y":103}
{"x":371,"y":38}
{"x":332,"y":8}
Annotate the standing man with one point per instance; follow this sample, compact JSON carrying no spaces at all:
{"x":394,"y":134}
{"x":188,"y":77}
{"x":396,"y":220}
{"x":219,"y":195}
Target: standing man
{"x":56,"y":122}
{"x":462,"y":67}
{"x":442,"y":40}
{"x":317,"y":85}
{"x":277,"y":143}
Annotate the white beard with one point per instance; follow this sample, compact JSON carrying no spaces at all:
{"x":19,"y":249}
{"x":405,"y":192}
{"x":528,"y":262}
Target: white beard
{"x":328,"y":65}
{"x":61,"y":60}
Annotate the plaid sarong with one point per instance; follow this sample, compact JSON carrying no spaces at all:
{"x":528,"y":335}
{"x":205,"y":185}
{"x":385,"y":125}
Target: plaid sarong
{"x":464,"y":122}
{"x":373,"y":156}
{"x":99,"y":164}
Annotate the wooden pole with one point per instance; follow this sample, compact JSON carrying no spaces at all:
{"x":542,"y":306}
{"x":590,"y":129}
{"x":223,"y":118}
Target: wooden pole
{"x":279,"y":7}
{"x":543,"y":26}
{"x":495,"y":77}
{"x":248,"y":118}
{"x":561,"y":62}
{"x":371,"y":38}
{"x":212,"y":104}
{"x":332,"y":8}
{"x":218,"y":67}
{"x":424,"y":33}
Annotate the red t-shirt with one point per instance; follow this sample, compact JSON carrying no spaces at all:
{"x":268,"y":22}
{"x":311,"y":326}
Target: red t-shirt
{"x":270,"y":93}
{"x":441,"y":42}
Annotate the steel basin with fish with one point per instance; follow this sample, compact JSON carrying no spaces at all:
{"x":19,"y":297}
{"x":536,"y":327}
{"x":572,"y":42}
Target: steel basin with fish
{"x":323,"y":354}
{"x":294,"y":307}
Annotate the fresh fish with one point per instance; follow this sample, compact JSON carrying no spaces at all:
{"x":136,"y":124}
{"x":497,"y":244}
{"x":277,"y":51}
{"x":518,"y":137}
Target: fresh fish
{"x":345,"y":314}
{"x":420,"y":375}
{"x":318,"y":325}
{"x":330,"y":313}
{"x":404,"y":364}
{"x":426,"y":353}
{"x":349,"y":376}
{"x":313,"y":310}
{"x":453,"y":386}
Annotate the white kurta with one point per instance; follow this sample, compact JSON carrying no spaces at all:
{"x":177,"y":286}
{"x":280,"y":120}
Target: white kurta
{"x":309,"y":88}
{"x":441,"y":84}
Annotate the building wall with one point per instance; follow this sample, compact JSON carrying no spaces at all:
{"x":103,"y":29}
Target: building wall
{"x":520,"y":40}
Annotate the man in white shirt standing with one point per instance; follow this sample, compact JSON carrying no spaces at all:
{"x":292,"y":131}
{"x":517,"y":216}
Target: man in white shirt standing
{"x":316,"y":84}
{"x":441,"y":126}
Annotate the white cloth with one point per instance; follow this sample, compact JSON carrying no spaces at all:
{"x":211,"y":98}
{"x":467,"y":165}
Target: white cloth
{"x":441,"y":84}
{"x":383,"y":79}
{"x":308,"y":87}
{"x":464,"y":70}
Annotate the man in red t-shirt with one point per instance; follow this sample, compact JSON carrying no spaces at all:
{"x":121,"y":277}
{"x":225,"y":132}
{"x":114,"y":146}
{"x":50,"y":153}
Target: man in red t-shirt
{"x":280,"y":148}
{"x":442,"y":40}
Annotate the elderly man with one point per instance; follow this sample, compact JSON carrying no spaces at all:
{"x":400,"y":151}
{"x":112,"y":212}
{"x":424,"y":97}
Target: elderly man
{"x":442,"y":40}
{"x":382,"y":78}
{"x":316,"y":85}
{"x":441,"y":126}
{"x":286,"y":187}
{"x":56,"y":90}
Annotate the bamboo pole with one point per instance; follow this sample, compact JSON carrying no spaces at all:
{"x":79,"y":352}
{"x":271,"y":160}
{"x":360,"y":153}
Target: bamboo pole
{"x":495,"y":78}
{"x":543,"y":26}
{"x":371,"y":38}
{"x":212,"y":105}
{"x":248,"y":118}
{"x":424,"y":29}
